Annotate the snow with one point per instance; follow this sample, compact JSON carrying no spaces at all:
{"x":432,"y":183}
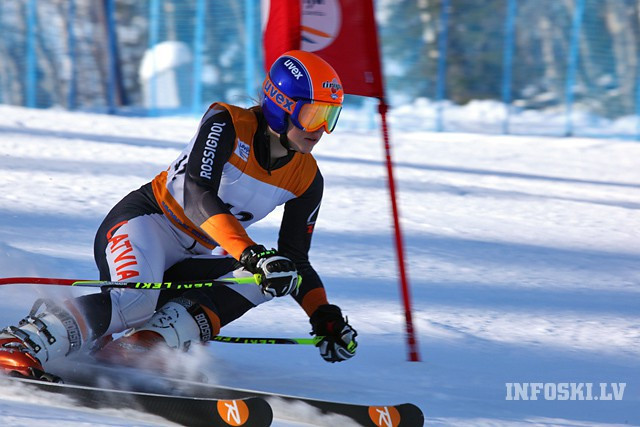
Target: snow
{"x":522,"y":255}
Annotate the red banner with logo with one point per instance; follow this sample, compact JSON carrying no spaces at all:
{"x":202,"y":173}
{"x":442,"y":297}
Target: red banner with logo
{"x":343,"y":32}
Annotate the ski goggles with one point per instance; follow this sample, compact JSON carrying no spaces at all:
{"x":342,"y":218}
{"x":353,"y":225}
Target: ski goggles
{"x":306,"y":114}
{"x":310,"y":115}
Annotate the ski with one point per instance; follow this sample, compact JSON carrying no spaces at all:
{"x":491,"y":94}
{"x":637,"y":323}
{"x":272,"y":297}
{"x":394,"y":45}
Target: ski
{"x":250,"y":411}
{"x":398,"y":415}
{"x":284,"y":406}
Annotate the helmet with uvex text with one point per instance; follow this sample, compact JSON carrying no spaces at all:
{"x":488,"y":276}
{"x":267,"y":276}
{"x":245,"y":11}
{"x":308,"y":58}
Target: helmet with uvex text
{"x":302,"y":87}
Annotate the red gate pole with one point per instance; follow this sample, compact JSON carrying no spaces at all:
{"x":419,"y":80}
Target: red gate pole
{"x":412,"y":343}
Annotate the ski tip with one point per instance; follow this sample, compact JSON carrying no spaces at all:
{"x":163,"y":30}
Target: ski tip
{"x":248,"y":412}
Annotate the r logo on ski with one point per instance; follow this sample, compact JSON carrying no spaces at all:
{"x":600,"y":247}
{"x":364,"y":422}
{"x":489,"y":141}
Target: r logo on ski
{"x":233,"y":412}
{"x":384,"y":416}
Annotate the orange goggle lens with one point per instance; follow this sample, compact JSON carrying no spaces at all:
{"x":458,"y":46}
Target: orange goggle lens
{"x":313,"y":115}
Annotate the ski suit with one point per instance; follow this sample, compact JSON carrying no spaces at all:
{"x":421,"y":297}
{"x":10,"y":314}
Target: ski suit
{"x":221,"y":183}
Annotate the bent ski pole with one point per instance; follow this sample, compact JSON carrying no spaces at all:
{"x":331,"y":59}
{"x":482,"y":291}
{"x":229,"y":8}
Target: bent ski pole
{"x":252,"y":340}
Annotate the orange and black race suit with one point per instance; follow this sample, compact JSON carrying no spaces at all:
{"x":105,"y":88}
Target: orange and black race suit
{"x":223,"y":182}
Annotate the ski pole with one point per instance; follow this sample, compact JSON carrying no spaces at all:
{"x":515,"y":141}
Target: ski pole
{"x":175,"y":285}
{"x":185,"y":284}
{"x":253,"y":340}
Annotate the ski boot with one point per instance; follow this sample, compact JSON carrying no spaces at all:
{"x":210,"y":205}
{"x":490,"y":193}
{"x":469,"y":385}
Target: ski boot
{"x":17,"y":361}
{"x":37,"y":339}
{"x":135,"y":349}
{"x":15,"y":357}
{"x":173,"y":327}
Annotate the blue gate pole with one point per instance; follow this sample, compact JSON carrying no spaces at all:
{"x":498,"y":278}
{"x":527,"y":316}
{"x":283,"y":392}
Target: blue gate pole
{"x":573,"y":64}
{"x":109,"y":11}
{"x":71,"y":41}
{"x":250,"y":46}
{"x":638,"y":101}
{"x":442,"y":62}
{"x":32,"y":68}
{"x":154,"y":16}
{"x":507,"y":61}
{"x":198,"y":52}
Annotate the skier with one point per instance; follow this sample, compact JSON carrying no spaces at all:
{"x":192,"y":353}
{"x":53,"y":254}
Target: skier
{"x":240,"y":165}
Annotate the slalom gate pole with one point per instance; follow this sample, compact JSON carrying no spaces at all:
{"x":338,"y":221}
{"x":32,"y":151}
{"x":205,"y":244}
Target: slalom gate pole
{"x":412,"y":343}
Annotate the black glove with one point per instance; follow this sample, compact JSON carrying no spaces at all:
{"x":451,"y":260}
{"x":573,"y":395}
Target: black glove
{"x":276,"y":274}
{"x":339,"y":342}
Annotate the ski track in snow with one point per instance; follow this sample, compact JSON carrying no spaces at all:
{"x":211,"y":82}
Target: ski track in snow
{"x":522,"y":255}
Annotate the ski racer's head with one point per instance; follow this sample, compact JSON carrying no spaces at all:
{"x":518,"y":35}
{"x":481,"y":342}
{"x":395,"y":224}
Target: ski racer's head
{"x":304,"y":88}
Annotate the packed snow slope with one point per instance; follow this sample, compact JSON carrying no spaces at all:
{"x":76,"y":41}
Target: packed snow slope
{"x":523,"y":256}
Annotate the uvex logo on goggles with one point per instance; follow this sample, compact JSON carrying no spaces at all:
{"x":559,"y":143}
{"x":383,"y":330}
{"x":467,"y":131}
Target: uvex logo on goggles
{"x":274,"y":94}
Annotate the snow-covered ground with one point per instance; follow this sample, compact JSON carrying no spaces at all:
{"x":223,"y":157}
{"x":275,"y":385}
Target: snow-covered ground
{"x":523,"y":258}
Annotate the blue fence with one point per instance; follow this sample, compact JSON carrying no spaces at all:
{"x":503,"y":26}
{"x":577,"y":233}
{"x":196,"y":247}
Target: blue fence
{"x":562,"y":68}
{"x":152,"y":57}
